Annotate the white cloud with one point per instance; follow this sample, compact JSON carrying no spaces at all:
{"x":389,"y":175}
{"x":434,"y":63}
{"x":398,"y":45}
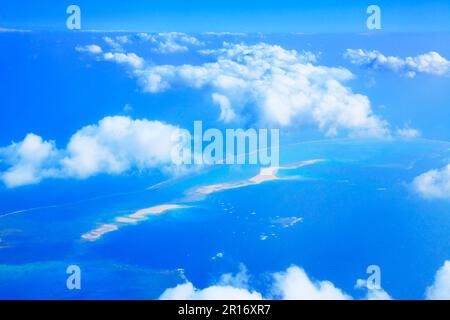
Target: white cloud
{"x":170,"y":47}
{"x":434,"y":184}
{"x":294,"y":284}
{"x":92,"y":48}
{"x":227,"y":113}
{"x":14,"y":30}
{"x":372,"y":293}
{"x":30,"y":161}
{"x":130,"y":59}
{"x":430,"y":63}
{"x":123,"y":39}
{"x":117,"y":144}
{"x":113,"y":146}
{"x":408,"y":132}
{"x":221,"y":34}
{"x":117,"y":42}
{"x":229,"y":287}
{"x":170,"y":42}
{"x":281,"y":86}
{"x":440,"y":289}
{"x":239,"y":280}
{"x":188,"y":292}
{"x":377,"y":294}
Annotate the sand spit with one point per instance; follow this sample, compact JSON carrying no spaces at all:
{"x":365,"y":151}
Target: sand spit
{"x":133,"y":218}
{"x":265,"y":175}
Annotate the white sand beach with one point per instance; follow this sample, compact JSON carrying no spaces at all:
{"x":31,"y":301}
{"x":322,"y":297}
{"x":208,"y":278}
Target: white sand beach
{"x":99,"y":232}
{"x":133,"y":218}
{"x":156,"y":210}
{"x":265,"y":175}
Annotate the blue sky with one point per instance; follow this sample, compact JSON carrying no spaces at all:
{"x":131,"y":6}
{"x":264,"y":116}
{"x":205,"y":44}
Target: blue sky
{"x":238,"y":16}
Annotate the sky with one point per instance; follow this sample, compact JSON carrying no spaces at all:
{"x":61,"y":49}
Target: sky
{"x":323,"y":16}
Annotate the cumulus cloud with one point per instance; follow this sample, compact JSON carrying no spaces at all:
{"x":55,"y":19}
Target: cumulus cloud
{"x":114,"y":145}
{"x":372,"y":293}
{"x":430,"y":63}
{"x":293,"y":283}
{"x":440,"y":289}
{"x":188,"y":292}
{"x":229,"y":287}
{"x":129,"y":59}
{"x":170,"y":42}
{"x":115,"y":45}
{"x":377,"y":294}
{"x":163,"y":43}
{"x":92,"y":48}
{"x":29,"y":161}
{"x":434,"y":184}
{"x":282,"y":87}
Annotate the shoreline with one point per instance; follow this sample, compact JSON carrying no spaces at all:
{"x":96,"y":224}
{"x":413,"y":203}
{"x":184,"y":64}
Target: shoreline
{"x":133,"y":218}
{"x":265,"y":175}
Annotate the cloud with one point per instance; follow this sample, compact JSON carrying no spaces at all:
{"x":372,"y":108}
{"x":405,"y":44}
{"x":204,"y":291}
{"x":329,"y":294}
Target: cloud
{"x":114,"y":145}
{"x":229,"y":287}
{"x":434,"y":184}
{"x":117,"y":144}
{"x":227,"y":113}
{"x":239,"y":280}
{"x":377,"y":294}
{"x":29,"y":161}
{"x":123,"y":39}
{"x":188,"y":292}
{"x":440,"y":289}
{"x":408,"y":132}
{"x":170,"y":42}
{"x":430,"y":63}
{"x":372,"y":293}
{"x":130,"y":59}
{"x":116,"y":43}
{"x":14,"y":30}
{"x":282,"y":87}
{"x":221,"y":34}
{"x":294,"y":284}
{"x":92,"y":48}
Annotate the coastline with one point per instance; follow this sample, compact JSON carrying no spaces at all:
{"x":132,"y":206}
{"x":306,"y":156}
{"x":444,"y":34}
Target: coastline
{"x":137,"y":216}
